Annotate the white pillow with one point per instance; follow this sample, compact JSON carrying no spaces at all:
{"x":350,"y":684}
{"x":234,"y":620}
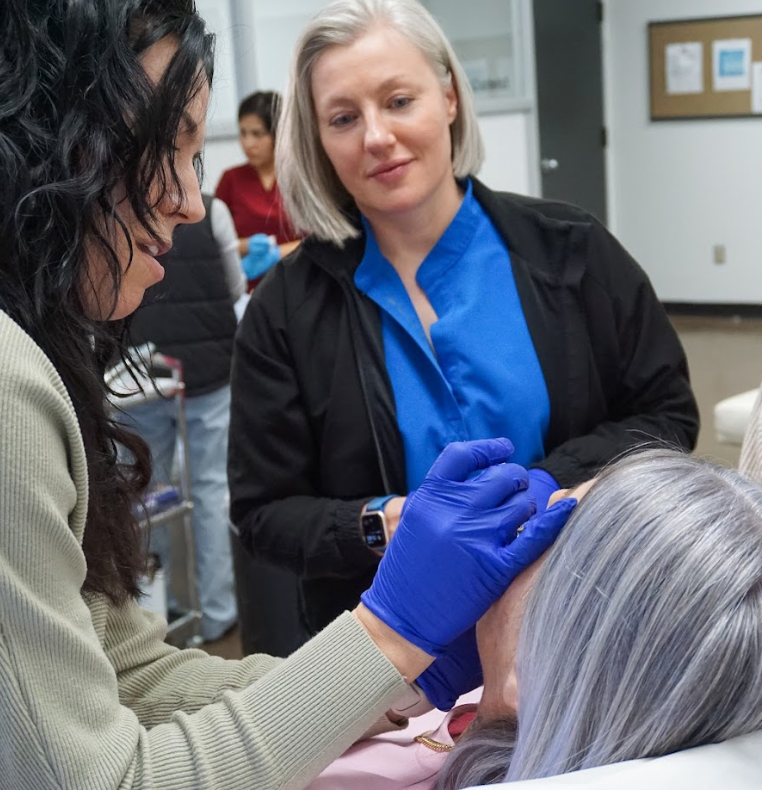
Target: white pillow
{"x":733,"y":765}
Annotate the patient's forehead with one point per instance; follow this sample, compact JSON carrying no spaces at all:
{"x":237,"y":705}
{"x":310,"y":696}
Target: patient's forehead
{"x":509,"y":610}
{"x":498,"y":635}
{"x":514,"y":598}
{"x":577,"y":492}
{"x":498,"y":639}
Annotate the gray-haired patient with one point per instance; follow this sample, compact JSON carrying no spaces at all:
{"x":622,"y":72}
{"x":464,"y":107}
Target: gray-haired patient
{"x":636,"y":635}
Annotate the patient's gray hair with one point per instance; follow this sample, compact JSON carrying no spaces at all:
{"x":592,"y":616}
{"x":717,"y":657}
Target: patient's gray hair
{"x":313,"y":196}
{"x":643,"y":633}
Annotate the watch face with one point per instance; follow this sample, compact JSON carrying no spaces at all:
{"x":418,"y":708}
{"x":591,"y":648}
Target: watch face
{"x":373,"y":531}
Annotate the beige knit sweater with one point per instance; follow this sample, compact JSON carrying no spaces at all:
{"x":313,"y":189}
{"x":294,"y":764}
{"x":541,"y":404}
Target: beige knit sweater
{"x":90,"y":696}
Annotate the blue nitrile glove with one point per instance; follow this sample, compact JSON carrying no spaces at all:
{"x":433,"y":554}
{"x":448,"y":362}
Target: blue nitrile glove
{"x":459,"y":669}
{"x":263,"y":254}
{"x":542,"y":485}
{"x":448,"y":561}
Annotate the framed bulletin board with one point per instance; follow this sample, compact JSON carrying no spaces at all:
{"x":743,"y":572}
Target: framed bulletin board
{"x":706,"y":68}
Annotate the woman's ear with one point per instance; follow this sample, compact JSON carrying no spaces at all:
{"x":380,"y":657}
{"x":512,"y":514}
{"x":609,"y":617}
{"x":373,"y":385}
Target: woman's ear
{"x":451,"y":99}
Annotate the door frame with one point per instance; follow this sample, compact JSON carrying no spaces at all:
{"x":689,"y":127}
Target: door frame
{"x":533,"y":116}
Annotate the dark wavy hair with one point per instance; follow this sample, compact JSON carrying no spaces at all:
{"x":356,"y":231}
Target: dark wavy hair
{"x":265,"y":104}
{"x":78,"y":119}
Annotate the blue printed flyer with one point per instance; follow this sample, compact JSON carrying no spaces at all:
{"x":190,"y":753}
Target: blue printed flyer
{"x":731,"y":64}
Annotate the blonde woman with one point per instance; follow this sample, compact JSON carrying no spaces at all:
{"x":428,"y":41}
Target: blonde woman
{"x":423,"y":308}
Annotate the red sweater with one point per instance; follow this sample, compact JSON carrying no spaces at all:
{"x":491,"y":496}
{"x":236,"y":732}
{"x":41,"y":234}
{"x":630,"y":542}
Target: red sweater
{"x":254,"y":209}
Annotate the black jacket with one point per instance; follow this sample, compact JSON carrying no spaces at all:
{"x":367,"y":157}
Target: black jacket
{"x":189,"y":315}
{"x":313,"y":427}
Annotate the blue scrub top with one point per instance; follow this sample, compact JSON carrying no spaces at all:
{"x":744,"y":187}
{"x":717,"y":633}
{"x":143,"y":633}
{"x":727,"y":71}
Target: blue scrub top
{"x":480,"y":377}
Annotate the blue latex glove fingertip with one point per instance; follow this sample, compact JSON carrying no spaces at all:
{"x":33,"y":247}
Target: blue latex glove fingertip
{"x":249,"y":267}
{"x":259,"y":243}
{"x":542,"y":485}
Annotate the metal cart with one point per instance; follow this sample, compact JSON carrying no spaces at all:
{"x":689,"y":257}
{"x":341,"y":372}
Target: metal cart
{"x":169,"y":510}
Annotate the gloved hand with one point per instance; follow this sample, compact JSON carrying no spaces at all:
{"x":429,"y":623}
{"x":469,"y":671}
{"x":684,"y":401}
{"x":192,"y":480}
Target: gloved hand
{"x":542,"y":485}
{"x":459,"y":669}
{"x":449,"y":559}
{"x":263,"y":254}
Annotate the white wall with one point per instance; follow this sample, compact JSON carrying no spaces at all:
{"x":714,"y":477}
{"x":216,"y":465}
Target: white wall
{"x":219,"y":155}
{"x":679,"y":187}
{"x":268,"y":34}
{"x":507,"y":140}
{"x":223,"y":107}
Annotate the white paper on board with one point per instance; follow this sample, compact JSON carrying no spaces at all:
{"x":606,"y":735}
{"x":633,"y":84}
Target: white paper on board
{"x":684,"y":67}
{"x":756,"y":88}
{"x":731,"y":64}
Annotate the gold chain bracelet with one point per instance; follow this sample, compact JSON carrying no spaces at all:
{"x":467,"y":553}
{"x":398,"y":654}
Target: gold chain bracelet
{"x":430,"y":743}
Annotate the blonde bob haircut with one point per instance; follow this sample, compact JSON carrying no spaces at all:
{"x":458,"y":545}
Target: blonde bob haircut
{"x":313,"y":196}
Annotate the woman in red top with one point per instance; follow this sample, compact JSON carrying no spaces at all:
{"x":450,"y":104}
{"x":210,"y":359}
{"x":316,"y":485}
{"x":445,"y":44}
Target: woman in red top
{"x":250,"y":190}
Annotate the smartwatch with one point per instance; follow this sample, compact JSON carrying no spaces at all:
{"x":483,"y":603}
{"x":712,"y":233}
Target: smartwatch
{"x":373,"y":527}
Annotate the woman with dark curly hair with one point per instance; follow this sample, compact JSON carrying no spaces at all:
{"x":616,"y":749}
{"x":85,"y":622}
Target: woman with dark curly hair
{"x":102,"y":118}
